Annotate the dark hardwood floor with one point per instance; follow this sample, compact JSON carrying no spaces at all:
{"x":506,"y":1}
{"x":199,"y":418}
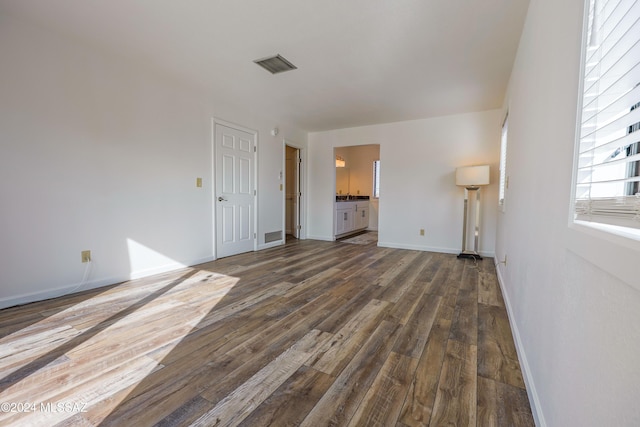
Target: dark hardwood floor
{"x":310,"y":333}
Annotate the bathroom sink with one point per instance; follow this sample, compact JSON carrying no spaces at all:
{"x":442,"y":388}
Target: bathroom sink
{"x":348,"y":198}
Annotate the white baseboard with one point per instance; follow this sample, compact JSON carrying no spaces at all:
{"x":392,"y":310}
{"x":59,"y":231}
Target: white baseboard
{"x":96,"y":283}
{"x":271,"y":245}
{"x":201,"y":261}
{"x":166,"y":268}
{"x":417,"y":247}
{"x":58,"y":292}
{"x":429,"y":248}
{"x":324,"y":238}
{"x":536,"y":408}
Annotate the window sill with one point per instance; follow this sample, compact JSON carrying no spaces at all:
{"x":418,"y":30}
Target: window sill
{"x":617,"y":234}
{"x":611,"y":248}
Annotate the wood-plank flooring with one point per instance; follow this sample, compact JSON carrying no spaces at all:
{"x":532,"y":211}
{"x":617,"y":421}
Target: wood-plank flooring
{"x":310,"y":334}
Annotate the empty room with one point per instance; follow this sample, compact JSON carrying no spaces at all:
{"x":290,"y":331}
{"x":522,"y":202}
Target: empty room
{"x":297,"y":213}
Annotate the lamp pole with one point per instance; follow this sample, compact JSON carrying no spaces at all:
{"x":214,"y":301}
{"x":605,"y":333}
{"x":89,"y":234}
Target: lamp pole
{"x":471,"y":178}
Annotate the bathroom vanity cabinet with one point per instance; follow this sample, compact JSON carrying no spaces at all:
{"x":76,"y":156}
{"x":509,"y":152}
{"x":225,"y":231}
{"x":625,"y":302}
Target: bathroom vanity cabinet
{"x":351,"y":216}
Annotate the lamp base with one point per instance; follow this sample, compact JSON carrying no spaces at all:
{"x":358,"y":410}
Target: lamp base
{"x":469,"y":255}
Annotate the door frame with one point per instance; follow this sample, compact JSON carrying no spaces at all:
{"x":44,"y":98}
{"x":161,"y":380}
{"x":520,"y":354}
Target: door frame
{"x":302,"y":186}
{"x":217,"y":121}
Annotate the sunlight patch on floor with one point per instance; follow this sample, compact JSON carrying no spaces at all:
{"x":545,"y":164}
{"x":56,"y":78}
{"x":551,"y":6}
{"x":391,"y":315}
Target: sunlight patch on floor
{"x":116,"y":331}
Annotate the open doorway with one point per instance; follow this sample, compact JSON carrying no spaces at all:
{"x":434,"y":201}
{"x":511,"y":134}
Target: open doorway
{"x":357,"y":191}
{"x":292,"y":209}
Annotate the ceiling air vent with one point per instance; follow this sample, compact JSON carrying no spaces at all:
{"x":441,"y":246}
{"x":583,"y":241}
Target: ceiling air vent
{"x":275,"y":64}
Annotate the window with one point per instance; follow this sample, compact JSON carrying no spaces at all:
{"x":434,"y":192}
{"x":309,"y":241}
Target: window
{"x":503,"y":162}
{"x":376,"y":179}
{"x":608,"y":158}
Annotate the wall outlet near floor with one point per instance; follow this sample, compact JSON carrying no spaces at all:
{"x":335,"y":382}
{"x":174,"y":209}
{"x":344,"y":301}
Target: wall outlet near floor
{"x":86,"y":256}
{"x":422,"y":231}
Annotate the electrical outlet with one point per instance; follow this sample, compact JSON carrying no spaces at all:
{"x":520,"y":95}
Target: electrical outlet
{"x":422,"y":231}
{"x":86,"y":256}
{"x":198,"y":182}
{"x":505,"y":260}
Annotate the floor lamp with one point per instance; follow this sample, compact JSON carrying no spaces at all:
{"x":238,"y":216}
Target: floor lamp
{"x":471,"y":178}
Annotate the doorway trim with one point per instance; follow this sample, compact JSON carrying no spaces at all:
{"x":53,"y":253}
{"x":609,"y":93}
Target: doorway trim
{"x":302,"y":185}
{"x":217,"y":121}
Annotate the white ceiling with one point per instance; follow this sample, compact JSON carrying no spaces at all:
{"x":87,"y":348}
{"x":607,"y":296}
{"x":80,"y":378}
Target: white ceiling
{"x":359,"y":62}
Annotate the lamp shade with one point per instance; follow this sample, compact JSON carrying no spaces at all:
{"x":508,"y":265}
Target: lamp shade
{"x":472,"y":176}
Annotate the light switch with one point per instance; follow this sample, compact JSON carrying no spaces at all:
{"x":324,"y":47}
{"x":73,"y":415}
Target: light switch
{"x":198,"y":182}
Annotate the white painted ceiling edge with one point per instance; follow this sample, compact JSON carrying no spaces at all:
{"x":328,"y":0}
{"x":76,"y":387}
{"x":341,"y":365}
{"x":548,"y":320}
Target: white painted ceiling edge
{"x":359,"y":62}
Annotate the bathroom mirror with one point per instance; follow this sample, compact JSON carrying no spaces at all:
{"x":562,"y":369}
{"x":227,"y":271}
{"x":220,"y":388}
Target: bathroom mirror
{"x":342,"y":180}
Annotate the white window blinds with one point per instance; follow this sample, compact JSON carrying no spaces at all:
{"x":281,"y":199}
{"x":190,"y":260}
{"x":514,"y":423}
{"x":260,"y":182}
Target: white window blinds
{"x":608,"y":166}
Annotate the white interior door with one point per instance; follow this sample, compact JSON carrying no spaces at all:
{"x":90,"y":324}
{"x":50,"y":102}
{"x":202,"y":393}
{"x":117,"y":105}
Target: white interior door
{"x":234,"y":191}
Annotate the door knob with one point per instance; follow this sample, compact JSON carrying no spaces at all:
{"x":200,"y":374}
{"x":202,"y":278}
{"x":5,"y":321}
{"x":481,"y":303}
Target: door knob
{"x":222,"y":199}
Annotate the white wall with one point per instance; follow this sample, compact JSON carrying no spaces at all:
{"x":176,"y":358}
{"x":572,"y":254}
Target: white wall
{"x":100,"y":152}
{"x":573,"y":294}
{"x":417,"y":185}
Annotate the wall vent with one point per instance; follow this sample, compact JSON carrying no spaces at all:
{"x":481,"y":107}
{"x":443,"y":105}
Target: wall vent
{"x":275,"y":64}
{"x":273,"y":236}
